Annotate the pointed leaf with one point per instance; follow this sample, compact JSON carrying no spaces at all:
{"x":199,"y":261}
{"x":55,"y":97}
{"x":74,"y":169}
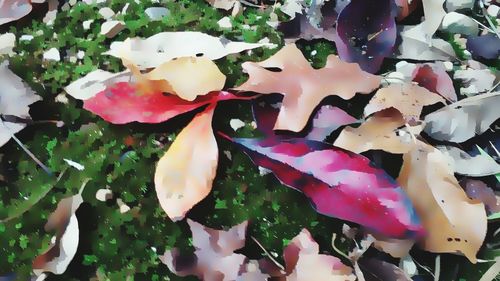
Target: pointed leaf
{"x":338,"y":183}
{"x":328,"y":119}
{"x":304,"y":87}
{"x":185,"y":173}
{"x":11,"y":10}
{"x":463,"y":163}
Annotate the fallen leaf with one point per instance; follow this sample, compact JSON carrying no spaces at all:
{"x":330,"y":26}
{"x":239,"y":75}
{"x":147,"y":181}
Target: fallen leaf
{"x":453,"y":222}
{"x":304,"y":87}
{"x":407,"y":98}
{"x":462,"y":120}
{"x":376,"y":270}
{"x":434,"y":78}
{"x":397,"y":248}
{"x":463,"y":163}
{"x":11,"y":10}
{"x":214,"y":258}
{"x":64,"y":221}
{"x":95,"y":82}
{"x":477,"y":189}
{"x":414,"y":45}
{"x":15,"y":98}
{"x":185,"y":173}
{"x":122,"y":103}
{"x":337,"y":182}
{"x":366,"y":33}
{"x":166,"y":46}
{"x":406,"y":7}
{"x":484,"y":47}
{"x":328,"y":119}
{"x":433,"y":16}
{"x":222,"y":4}
{"x":475,"y":81}
{"x":177,"y":77}
{"x":379,"y":132}
{"x":302,"y":255}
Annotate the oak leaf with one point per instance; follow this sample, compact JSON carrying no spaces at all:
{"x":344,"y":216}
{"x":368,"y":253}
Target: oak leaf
{"x":303,"y":86}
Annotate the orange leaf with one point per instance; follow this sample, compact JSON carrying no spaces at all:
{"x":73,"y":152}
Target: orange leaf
{"x":303,"y":86}
{"x":185,"y":173}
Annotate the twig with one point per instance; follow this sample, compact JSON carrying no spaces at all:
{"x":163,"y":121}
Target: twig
{"x":337,"y":250}
{"x":487,"y":28}
{"x":45,"y":168}
{"x":423,"y":267}
{"x":268,"y":254}
{"x":494,"y":148}
{"x":494,"y":87}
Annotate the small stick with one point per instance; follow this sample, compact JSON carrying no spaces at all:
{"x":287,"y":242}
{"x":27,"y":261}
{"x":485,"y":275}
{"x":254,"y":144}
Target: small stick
{"x":268,"y":254}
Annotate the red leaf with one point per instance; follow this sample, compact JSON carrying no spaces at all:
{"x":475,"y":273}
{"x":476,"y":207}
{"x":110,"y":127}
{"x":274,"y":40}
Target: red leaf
{"x":124,"y":103}
{"x":339,"y":183}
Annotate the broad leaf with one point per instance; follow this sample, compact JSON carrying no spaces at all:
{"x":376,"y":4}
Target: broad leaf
{"x":163,"y":47}
{"x":463,"y":163}
{"x":185,"y":173}
{"x":407,"y":98}
{"x":304,"y":87}
{"x":366,"y":33}
{"x":11,"y":10}
{"x":123,"y":103}
{"x":338,"y":183}
{"x":453,"y":222}
{"x":462,"y":120}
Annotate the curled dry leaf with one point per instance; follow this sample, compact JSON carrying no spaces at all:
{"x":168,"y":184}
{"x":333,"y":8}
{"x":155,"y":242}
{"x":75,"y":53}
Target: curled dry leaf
{"x":366,"y":33}
{"x":166,"y":46}
{"x":434,"y":78}
{"x":11,"y":10}
{"x":337,"y":182}
{"x":453,"y":222}
{"x":304,"y":87}
{"x":462,"y":120}
{"x":379,"y":132}
{"x":15,"y":98}
{"x":305,"y":263}
{"x":475,"y":81}
{"x":95,"y":82}
{"x":214,"y":258}
{"x":463,"y":163}
{"x":407,"y":98}
{"x":414,"y":45}
{"x":185,"y":173}
{"x":397,"y":248}
{"x":64,"y":221}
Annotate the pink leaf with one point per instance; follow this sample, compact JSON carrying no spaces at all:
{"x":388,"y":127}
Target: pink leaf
{"x":338,"y":183}
{"x":124,"y":103}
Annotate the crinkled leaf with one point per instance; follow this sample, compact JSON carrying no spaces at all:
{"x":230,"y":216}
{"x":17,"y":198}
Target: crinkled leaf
{"x":337,"y":182}
{"x":304,"y":87}
{"x":64,"y":221}
{"x":462,"y":120}
{"x":185,"y":173}
{"x":453,"y":222}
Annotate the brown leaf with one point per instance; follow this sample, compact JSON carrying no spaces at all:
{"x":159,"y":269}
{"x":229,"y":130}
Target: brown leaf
{"x":408,"y":98}
{"x":303,"y":86}
{"x":214,"y":258}
{"x":64,"y":221}
{"x":185,"y":173}
{"x":454,"y":223}
{"x":379,"y":132}
{"x":477,"y":189}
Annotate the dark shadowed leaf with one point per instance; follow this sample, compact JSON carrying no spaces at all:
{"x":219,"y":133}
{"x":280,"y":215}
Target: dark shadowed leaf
{"x":485,"y":47}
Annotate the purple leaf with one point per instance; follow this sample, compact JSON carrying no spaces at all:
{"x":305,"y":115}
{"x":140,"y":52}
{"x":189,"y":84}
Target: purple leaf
{"x":486,"y":46}
{"x":366,"y":33}
{"x":338,"y":183}
{"x":328,"y":119}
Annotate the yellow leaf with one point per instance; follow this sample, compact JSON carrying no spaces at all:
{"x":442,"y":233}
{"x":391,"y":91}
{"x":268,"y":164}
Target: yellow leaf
{"x":303,"y":86}
{"x":185,"y":173}
{"x":407,"y":98}
{"x":454,"y":223}
{"x":380,"y":131}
